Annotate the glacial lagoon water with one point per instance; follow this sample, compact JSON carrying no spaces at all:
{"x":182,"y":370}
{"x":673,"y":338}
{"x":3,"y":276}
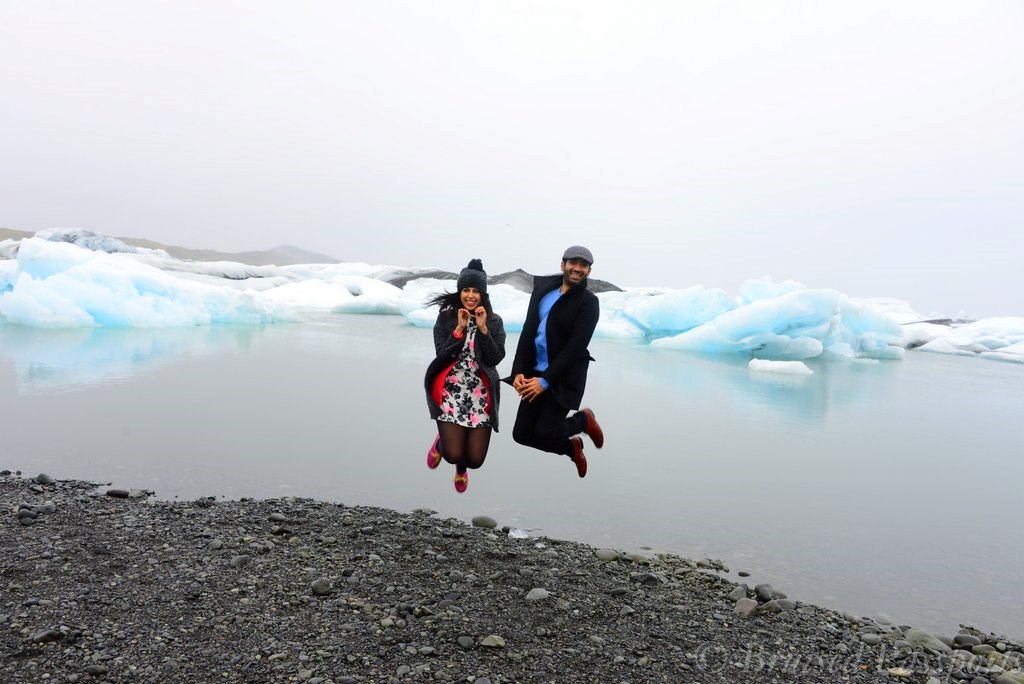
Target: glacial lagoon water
{"x":888,"y":488}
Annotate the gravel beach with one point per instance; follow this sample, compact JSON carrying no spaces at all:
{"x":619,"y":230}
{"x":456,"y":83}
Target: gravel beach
{"x":115,"y":586}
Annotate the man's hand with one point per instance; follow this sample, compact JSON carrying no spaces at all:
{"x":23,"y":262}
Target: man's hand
{"x":529,"y":389}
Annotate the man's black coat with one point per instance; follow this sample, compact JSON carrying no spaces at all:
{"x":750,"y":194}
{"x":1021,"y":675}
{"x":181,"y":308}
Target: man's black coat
{"x":570,"y":325}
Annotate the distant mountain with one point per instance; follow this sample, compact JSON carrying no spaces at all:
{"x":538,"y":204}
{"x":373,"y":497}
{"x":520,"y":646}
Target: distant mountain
{"x":8,"y":234}
{"x":303,"y":256}
{"x":283,"y":255}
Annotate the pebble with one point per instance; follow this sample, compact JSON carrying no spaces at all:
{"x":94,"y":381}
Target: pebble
{"x":537,"y":594}
{"x":966,"y":640}
{"x":493,"y":641}
{"x":44,"y":479}
{"x":637,"y":557}
{"x":738,"y":593}
{"x":47,"y":636}
{"x":484,"y":521}
{"x":919,"y":637}
{"x":239,"y":561}
{"x":1013,"y":677}
{"x":745,"y":607}
{"x":606,"y":554}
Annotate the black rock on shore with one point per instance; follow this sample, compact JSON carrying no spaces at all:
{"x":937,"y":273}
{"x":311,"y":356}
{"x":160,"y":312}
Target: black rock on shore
{"x":110,"y":585}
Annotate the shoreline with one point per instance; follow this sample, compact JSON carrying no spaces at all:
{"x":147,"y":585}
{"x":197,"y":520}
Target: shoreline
{"x":111,"y":585}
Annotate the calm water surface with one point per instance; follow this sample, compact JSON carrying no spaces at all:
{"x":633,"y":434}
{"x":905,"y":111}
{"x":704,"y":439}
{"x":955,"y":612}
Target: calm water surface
{"x":876,"y":488}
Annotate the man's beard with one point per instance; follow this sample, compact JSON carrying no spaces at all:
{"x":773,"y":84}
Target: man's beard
{"x":569,"y":283}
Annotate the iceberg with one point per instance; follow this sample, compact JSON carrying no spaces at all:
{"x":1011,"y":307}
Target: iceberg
{"x":798,"y":324}
{"x":61,"y":285}
{"x":68,"y":278}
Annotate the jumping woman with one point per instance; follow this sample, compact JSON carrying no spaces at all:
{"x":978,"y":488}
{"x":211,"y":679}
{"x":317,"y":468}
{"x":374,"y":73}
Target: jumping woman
{"x":462,"y":381}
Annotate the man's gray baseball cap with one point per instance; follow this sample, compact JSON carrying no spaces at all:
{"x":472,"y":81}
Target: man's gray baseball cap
{"x":578,"y":252}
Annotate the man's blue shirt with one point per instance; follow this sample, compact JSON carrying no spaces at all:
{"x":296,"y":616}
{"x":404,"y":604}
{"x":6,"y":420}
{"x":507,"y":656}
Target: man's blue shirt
{"x":544,"y":308}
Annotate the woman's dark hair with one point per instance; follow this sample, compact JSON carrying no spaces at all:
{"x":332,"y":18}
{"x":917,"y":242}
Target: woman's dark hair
{"x":451,"y":301}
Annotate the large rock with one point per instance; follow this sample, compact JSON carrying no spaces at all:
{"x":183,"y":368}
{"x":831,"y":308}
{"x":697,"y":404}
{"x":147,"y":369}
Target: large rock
{"x":1011,"y":677}
{"x":921,"y":638}
{"x":745,"y":607}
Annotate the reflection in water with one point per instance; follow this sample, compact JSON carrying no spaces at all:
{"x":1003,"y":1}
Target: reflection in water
{"x":725,"y":379}
{"x":69,"y":359}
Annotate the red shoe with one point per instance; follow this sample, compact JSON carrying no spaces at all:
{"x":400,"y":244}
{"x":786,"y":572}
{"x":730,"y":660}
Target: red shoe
{"x":434,"y":454}
{"x":577,"y":456}
{"x":461,"y":481}
{"x":593,"y":428}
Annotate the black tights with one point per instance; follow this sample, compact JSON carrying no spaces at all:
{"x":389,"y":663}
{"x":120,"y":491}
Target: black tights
{"x":465,"y":447}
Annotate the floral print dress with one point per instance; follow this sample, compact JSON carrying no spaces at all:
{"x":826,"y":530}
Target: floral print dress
{"x":464,"y":398}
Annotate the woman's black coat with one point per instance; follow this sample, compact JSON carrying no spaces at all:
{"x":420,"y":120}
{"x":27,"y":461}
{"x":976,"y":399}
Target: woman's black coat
{"x":490,"y":350}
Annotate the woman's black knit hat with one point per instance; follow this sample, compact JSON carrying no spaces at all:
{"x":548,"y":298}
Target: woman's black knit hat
{"x":473,"y":276}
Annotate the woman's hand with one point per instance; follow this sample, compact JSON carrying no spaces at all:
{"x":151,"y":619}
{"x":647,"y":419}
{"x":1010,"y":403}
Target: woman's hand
{"x":461,"y":322}
{"x":480,"y":313}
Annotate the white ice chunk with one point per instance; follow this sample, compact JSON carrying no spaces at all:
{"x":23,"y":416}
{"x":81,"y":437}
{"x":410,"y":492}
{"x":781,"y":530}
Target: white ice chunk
{"x":342,"y":294}
{"x":917,"y":334}
{"x":1007,"y":328}
{"x":945,"y":346}
{"x":784,"y":367}
{"x":898,"y":310}
{"x":986,"y":335}
{"x":1013,"y":354}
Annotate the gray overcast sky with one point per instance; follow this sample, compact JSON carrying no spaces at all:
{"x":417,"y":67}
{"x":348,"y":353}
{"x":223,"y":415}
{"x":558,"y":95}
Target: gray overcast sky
{"x":876,"y":147}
